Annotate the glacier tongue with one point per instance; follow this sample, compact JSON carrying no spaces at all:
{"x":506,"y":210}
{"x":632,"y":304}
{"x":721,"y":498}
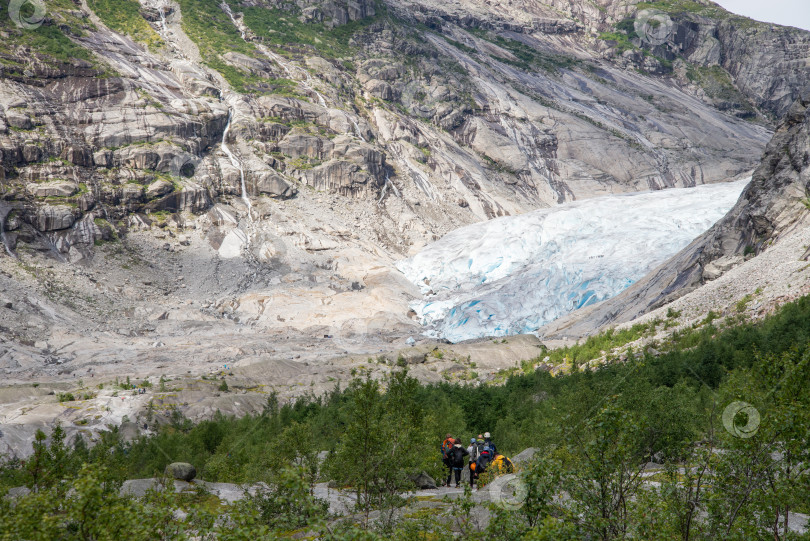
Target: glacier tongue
{"x":512,"y":275}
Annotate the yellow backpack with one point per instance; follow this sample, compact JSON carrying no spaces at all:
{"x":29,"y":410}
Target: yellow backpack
{"x":501,"y":464}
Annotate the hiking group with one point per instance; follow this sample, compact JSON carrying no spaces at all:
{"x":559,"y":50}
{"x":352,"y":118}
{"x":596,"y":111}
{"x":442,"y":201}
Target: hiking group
{"x":483,"y":456}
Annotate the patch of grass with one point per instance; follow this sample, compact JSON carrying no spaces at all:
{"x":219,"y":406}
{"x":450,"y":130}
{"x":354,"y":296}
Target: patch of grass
{"x":305,"y":162}
{"x":717,"y":84}
{"x":742,"y":304}
{"x":676,"y":7}
{"x":54,"y":43}
{"x":215,"y":34}
{"x":460,"y":46}
{"x":593,"y":347}
{"x":622,"y":40}
{"x":283,"y":28}
{"x":711,"y":316}
{"x":124,"y":17}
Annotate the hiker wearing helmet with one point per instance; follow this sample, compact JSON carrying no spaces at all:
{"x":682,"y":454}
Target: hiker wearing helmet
{"x":489,"y":443}
{"x":456,"y":459}
{"x":447,"y":445}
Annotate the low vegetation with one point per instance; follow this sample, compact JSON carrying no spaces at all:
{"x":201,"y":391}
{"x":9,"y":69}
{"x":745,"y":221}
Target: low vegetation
{"x":675,"y":7}
{"x":284,"y":28}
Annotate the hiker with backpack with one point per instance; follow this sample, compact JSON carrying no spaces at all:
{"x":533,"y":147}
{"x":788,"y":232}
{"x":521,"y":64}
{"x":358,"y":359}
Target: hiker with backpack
{"x":447,"y":445}
{"x":489,"y":443}
{"x":501,"y":464}
{"x":456,"y":460}
{"x":475,"y":448}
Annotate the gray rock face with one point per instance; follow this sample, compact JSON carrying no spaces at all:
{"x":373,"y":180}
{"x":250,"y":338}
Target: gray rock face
{"x":272,"y":184}
{"x":181,"y":470}
{"x":53,"y":217}
{"x":18,"y":119}
{"x":53,"y":189}
{"x":524,"y":457}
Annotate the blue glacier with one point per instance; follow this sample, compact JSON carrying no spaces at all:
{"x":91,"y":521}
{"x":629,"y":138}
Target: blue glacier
{"x":514,"y":274}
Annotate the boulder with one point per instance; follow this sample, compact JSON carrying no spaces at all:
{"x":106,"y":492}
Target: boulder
{"x":131,"y":193}
{"x":77,"y":155}
{"x":53,"y":217}
{"x":381,"y":89}
{"x":158,"y":188}
{"x":60,"y":188}
{"x":249,"y":64}
{"x":719,"y":266}
{"x":192,"y":198}
{"x":272,"y":184}
{"x":296,"y":144}
{"x":18,"y":119}
{"x":163,"y":157}
{"x":181,"y":470}
{"x":32,"y":153}
{"x":524,"y":457}
{"x":423,"y":481}
{"x":103,"y":158}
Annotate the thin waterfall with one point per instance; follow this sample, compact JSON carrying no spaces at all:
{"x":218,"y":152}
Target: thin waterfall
{"x":235,"y":162}
{"x":385,"y":189}
{"x":162,"y":11}
{"x":227,"y":9}
{"x":4,"y":212}
{"x":356,"y":128}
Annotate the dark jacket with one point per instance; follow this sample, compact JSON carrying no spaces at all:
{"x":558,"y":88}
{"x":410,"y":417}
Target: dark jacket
{"x":456,"y":456}
{"x":490,"y":443}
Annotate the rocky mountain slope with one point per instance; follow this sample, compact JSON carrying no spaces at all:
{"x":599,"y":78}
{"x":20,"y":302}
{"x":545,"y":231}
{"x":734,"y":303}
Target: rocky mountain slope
{"x":772,"y":210}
